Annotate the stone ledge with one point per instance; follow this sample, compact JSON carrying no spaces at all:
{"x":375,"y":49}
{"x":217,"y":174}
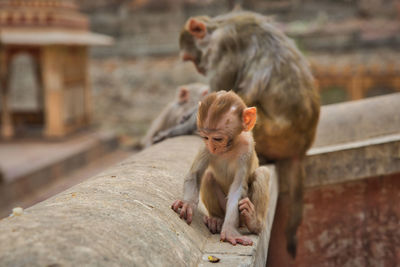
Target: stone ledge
{"x":39,"y":157}
{"x":353,"y":161}
{"x":359,"y":120}
{"x":355,"y":140}
{"x":29,"y":165}
{"x":123,"y":217}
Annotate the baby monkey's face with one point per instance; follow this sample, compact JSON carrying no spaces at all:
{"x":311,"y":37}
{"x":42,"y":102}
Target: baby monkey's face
{"x":221,"y":118}
{"x":217,"y":142}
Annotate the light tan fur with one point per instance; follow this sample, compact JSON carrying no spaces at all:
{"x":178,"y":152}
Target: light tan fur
{"x":227,"y":170}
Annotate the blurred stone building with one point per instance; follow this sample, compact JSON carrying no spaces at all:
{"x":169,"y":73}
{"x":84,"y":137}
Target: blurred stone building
{"x":137,"y":76}
{"x":150,"y":27}
{"x":44,"y":66}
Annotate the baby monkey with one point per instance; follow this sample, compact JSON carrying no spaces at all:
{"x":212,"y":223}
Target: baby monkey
{"x":233,"y":188}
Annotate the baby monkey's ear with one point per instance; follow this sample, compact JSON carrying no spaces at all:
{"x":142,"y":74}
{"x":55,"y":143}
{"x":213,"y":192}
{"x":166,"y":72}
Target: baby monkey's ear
{"x":249,"y":118}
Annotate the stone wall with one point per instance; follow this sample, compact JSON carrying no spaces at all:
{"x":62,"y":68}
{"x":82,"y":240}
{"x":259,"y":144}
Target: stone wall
{"x":368,"y":234}
{"x":347,"y":224}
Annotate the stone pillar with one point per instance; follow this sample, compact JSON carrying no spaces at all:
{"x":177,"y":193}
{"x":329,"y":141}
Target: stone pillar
{"x":52,"y":78}
{"x":7,"y":128}
{"x":355,"y":87}
{"x":356,"y":84}
{"x":87,"y":86}
{"x":396,"y":83}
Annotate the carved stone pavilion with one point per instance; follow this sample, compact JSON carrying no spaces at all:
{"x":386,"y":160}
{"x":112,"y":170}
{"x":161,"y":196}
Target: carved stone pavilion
{"x":56,"y":36}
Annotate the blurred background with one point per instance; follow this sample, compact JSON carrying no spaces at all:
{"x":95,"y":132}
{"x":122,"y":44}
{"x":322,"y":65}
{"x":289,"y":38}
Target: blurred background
{"x":82,"y":81}
{"x":135,"y":77}
{"x":352,"y":45}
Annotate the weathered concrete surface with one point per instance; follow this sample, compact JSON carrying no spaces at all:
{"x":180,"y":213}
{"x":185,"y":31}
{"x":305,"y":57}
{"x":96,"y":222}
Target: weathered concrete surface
{"x":353,"y":161}
{"x":20,"y":158}
{"x":358,"y":120}
{"x":122,"y":217}
{"x":28,"y":165}
{"x":255,"y":255}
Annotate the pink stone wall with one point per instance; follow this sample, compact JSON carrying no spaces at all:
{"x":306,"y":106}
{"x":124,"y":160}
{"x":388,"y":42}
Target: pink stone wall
{"x":349,"y":224}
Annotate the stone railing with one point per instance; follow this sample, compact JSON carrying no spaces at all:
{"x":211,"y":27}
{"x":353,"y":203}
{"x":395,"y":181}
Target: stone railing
{"x":356,"y":140}
{"x":122,"y":217}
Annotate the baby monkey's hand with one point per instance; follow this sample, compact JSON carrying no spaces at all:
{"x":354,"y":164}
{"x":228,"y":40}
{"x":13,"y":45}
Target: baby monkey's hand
{"x":184,"y":209}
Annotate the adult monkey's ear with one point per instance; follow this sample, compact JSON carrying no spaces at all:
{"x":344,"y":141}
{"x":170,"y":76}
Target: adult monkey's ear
{"x":183,"y":95}
{"x":197,"y":28}
{"x":249,"y":118}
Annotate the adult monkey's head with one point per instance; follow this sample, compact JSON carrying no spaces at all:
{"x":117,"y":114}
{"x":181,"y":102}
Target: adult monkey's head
{"x":192,"y":41}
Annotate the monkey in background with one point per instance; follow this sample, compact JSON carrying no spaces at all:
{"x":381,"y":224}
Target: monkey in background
{"x":233,"y":188}
{"x":177,"y":111}
{"x":244,"y":52}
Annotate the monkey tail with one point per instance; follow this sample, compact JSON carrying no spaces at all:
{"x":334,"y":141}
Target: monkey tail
{"x":291,"y":173}
{"x":259,"y":195}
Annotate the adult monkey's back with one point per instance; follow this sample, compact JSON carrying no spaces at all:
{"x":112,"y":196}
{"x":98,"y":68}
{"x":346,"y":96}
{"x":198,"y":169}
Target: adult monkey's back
{"x":245,"y":53}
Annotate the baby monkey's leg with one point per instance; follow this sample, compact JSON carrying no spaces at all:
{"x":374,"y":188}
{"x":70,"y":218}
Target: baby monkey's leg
{"x":253,"y":209}
{"x":214,"y":200}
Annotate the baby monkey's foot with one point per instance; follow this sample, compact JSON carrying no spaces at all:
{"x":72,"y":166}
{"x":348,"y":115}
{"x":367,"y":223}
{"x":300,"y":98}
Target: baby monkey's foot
{"x":234,"y":237}
{"x":214,"y":224}
{"x":248,"y":215}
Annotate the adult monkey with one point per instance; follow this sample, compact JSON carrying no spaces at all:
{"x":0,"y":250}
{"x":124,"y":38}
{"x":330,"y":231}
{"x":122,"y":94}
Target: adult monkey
{"x":183,"y":105}
{"x":244,"y":52}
